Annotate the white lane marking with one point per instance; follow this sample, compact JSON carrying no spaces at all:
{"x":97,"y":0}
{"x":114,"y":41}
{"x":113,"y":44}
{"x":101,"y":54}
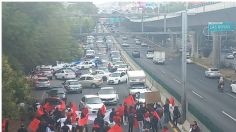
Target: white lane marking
{"x":231,"y":95}
{"x":228,"y":115}
{"x":177,"y":81}
{"x":197,"y":94}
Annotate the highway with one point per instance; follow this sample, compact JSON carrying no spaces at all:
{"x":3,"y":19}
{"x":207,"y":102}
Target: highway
{"x":201,"y":92}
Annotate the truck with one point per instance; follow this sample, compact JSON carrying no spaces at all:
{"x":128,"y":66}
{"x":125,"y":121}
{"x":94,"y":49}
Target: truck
{"x":136,"y":77}
{"x":150,"y":54}
{"x":136,"y":82}
{"x":159,"y":57}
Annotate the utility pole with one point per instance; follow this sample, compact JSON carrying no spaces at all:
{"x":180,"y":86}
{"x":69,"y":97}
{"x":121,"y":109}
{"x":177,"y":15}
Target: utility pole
{"x":184,"y":43}
{"x":142,"y":18}
{"x":165,"y":23}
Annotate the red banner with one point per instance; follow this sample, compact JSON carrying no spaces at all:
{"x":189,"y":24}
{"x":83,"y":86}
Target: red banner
{"x":33,"y":126}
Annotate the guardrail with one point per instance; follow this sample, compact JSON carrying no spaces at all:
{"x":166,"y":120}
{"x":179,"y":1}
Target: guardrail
{"x":153,"y":80}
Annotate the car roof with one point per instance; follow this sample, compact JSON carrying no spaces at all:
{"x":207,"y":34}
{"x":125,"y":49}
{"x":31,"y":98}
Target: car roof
{"x":91,"y":96}
{"x":102,"y":88}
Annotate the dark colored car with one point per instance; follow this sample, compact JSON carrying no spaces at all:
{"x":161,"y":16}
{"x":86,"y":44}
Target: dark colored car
{"x":57,"y":92}
{"x":55,"y":102}
{"x":136,"y":54}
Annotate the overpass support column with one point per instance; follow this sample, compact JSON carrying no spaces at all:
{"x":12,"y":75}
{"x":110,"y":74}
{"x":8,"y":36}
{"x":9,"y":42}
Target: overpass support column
{"x":164,"y":23}
{"x":173,"y":41}
{"x":216,"y":50}
{"x":194,"y":49}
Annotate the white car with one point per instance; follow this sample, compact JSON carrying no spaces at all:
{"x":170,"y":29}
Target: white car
{"x":101,"y":74}
{"x":229,"y":56}
{"x":108,"y":95}
{"x":144,"y":45}
{"x":123,"y":68}
{"x":137,"y":88}
{"x":65,"y":74}
{"x":125,"y":45}
{"x":150,"y":54}
{"x":212,"y":73}
{"x":93,"y":103}
{"x":117,"y":63}
{"x":188,"y":60}
{"x":117,"y":78}
{"x":85,"y":65}
{"x":233,"y":86}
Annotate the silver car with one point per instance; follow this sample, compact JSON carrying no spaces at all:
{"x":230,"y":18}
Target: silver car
{"x":73,"y":86}
{"x":42,"y":82}
{"x":90,"y":81}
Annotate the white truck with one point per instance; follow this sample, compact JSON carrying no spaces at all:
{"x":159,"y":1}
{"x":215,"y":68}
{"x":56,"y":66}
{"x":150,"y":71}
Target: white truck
{"x":159,"y":57}
{"x":136,"y":77}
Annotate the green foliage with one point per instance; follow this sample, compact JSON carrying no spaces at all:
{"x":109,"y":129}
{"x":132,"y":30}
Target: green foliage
{"x":15,"y":89}
{"x":42,"y":33}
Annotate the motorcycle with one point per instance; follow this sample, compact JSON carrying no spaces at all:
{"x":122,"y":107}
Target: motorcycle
{"x":221,"y":87}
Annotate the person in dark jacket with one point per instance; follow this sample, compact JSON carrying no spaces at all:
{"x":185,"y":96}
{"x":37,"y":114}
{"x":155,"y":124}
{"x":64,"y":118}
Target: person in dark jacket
{"x":112,"y":114}
{"x":99,"y":122}
{"x":140,"y":119}
{"x":106,"y":127}
{"x":154,"y":123}
{"x":131,"y":119}
{"x":22,"y":128}
{"x":194,"y":127}
{"x":176,"y":115}
{"x":126,"y":113}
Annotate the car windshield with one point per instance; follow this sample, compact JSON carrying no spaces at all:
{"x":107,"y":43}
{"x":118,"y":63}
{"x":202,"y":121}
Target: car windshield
{"x":138,"y":86}
{"x":214,"y":70}
{"x":42,"y":80}
{"x":74,"y":83}
{"x":106,"y":91}
{"x":94,"y":100}
{"x":115,"y":74}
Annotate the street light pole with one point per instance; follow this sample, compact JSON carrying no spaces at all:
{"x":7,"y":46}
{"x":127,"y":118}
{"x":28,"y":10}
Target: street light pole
{"x":142,"y":18}
{"x":184,"y":42}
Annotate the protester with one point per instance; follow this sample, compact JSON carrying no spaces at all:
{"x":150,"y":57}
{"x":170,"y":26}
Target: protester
{"x":65,"y":128}
{"x":176,"y":115}
{"x":21,"y":129}
{"x":166,"y":114}
{"x":112,"y":114}
{"x":120,"y":110}
{"x":131,"y":119}
{"x":194,"y":127}
{"x":125,"y":113}
{"x":147,"y":123}
{"x":140,"y":118}
{"x":106,"y":127}
{"x":154,"y":122}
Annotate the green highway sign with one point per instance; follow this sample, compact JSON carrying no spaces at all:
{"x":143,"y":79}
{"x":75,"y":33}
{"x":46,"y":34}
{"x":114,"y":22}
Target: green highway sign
{"x":221,"y":26}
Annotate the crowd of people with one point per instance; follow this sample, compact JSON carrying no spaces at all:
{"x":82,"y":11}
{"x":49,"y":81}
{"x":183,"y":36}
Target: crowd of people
{"x":131,"y":114}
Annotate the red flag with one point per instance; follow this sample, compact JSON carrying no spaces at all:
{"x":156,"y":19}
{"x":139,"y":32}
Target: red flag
{"x":135,"y":123}
{"x":115,"y":128}
{"x":83,"y":121}
{"x":74,"y":107}
{"x":40,"y":111}
{"x":33,"y":126}
{"x":62,"y":106}
{"x":155,"y":114}
{"x":120,"y":109}
{"x":129,"y":100}
{"x":172,"y":101}
{"x":103,"y":109}
{"x":48,"y":107}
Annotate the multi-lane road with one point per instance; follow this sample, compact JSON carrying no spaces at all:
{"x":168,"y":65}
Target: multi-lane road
{"x":201,"y":91}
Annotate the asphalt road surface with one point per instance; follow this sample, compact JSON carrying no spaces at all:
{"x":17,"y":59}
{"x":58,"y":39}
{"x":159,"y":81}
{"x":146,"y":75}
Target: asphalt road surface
{"x":201,"y":91}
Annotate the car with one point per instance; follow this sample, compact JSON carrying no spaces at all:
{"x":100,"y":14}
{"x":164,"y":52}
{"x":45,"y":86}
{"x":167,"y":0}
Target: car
{"x":89,"y":54}
{"x":124,"y":38}
{"x":90,"y":81}
{"x":117,"y":63}
{"x":72,"y":69}
{"x":108,"y":95}
{"x":101,"y":74}
{"x":85,"y":65}
{"x":72,"y":86}
{"x":115,"y":60}
{"x":150,"y":54}
{"x":138,"y":42}
{"x":233,"y":86}
{"x":125,"y":44}
{"x":137,"y":88}
{"x":189,"y":60}
{"x":122,"y":68}
{"x":42,"y":82}
{"x":136,"y":54}
{"x":229,"y":56}
{"x":47,"y":70}
{"x":117,"y":78}
{"x":93,"y":103}
{"x":144,"y":44}
{"x":65,"y":74}
{"x":57,"y":92}
{"x":212,"y":73}
{"x":55,"y":102}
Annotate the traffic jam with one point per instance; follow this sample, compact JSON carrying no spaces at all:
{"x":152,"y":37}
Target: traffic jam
{"x":78,"y":90}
